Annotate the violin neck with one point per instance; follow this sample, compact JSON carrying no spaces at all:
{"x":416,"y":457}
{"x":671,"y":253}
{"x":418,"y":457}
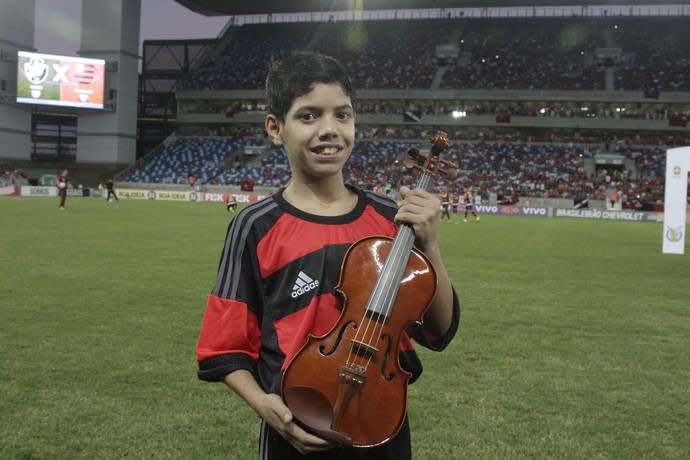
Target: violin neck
{"x":404,"y":239}
{"x":425,"y":180}
{"x":387,"y":286}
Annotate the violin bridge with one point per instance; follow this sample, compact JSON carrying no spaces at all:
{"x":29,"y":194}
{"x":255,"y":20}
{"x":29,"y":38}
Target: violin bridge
{"x":363,"y":350}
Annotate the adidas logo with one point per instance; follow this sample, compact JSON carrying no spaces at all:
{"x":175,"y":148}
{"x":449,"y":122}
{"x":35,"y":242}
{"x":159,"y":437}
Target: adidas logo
{"x":303,"y":284}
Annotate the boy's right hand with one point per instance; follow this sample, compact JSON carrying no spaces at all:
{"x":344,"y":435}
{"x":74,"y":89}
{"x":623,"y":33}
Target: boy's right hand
{"x":271,"y":408}
{"x":277,"y":414}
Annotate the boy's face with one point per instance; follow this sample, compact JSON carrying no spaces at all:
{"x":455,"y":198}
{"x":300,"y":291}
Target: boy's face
{"x":318,"y":132}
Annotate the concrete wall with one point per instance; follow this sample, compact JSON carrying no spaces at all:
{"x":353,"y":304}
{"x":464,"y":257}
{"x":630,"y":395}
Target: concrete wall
{"x":16,"y":34}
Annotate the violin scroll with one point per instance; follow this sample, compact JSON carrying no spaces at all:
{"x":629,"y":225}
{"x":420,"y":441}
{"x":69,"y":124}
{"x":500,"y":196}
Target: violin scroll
{"x":433,"y":163}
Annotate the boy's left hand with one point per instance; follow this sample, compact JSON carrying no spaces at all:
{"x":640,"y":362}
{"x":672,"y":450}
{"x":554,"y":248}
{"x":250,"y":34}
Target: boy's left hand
{"x":420,"y":209}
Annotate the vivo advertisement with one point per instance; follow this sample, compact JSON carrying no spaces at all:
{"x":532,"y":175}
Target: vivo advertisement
{"x":60,"y":80}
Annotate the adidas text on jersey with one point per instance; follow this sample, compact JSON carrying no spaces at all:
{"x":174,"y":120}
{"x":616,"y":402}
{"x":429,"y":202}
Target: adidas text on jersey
{"x":303,"y":284}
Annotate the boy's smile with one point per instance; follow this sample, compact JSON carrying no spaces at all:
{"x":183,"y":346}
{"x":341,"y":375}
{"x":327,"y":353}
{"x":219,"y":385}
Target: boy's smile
{"x":318,"y":132}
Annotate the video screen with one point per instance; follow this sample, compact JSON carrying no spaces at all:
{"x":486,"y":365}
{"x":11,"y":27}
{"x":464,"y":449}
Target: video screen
{"x":60,"y":80}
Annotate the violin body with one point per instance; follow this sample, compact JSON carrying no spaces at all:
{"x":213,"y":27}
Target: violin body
{"x":347,"y":386}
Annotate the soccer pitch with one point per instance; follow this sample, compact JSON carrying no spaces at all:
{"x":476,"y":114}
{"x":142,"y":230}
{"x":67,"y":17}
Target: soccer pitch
{"x":573,"y":341}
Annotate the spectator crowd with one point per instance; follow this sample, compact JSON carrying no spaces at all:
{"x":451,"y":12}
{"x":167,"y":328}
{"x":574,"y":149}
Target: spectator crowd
{"x":650,"y":53}
{"x":503,"y":169}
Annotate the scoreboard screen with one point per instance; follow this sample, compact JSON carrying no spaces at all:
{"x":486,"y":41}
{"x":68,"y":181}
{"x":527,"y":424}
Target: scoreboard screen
{"x":60,"y":80}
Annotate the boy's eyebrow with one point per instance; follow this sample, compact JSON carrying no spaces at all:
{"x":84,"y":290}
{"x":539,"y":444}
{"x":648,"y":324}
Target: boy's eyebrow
{"x":316,"y":108}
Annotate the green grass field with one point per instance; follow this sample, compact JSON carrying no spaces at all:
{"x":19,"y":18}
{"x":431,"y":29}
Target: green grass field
{"x":573,"y":344}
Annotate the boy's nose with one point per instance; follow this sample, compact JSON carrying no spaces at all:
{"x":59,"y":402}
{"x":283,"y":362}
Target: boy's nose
{"x":328,"y":128}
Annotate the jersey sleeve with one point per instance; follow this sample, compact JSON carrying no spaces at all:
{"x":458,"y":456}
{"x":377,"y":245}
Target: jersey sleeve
{"x":439,"y":343}
{"x":230,"y":336}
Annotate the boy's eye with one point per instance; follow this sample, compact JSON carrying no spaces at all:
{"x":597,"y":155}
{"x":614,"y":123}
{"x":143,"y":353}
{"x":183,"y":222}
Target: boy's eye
{"x":344,"y":115}
{"x":307,"y":116}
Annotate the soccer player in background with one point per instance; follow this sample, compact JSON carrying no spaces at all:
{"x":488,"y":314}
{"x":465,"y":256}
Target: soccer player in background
{"x":110,"y":186}
{"x":445,"y":204}
{"x":283,"y":254}
{"x":230,"y":202}
{"x":62,"y":183}
{"x":469,"y":204}
{"x":455,"y":202}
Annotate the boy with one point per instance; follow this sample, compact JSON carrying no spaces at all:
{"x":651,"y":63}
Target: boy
{"x":283,"y":255}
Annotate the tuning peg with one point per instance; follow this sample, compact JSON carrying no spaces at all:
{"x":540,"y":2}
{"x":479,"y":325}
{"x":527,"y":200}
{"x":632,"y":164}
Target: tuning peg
{"x":451,"y":173}
{"x":409,"y":163}
{"x":413,"y":152}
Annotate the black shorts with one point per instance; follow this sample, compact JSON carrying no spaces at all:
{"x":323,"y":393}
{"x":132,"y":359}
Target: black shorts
{"x":272,"y":446}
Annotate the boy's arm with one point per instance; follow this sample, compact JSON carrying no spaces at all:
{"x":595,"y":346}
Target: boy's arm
{"x":439,"y":316}
{"x":271,"y":408}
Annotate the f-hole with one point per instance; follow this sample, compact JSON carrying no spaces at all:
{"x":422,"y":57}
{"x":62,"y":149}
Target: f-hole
{"x":322,"y":348}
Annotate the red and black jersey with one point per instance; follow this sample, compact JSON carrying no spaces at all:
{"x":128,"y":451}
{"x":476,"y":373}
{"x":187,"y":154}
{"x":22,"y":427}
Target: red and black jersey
{"x":275,"y":285}
{"x":62,"y":181}
{"x":455,"y":202}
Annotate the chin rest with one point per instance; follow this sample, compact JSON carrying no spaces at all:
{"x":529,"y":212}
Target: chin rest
{"x":314,"y":412}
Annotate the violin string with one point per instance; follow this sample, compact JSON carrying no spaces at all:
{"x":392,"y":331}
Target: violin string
{"x":399,"y":258}
{"x":394,"y":260}
{"x":360,"y":332}
{"x":386,"y":277}
{"x":364,"y":335}
{"x":385,"y":292}
{"x":396,"y":264}
{"x":378,"y":298}
{"x":365,"y":322}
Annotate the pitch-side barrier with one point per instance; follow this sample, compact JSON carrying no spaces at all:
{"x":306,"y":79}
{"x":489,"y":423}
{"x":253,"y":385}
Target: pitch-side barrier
{"x":221,"y":197}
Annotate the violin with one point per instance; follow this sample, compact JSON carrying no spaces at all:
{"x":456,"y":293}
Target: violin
{"x":347,"y":386}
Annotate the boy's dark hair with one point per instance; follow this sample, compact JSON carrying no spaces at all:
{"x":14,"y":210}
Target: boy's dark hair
{"x":296,"y":75}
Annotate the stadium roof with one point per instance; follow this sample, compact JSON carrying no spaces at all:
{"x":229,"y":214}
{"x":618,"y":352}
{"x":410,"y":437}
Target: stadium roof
{"x":238,"y":7}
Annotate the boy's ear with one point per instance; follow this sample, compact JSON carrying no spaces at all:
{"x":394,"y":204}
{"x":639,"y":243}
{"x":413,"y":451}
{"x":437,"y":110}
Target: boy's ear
{"x":272,"y":126}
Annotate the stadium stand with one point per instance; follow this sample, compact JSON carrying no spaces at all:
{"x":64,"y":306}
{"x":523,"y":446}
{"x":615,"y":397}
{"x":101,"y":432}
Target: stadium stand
{"x":537,"y":99}
{"x":535,"y":54}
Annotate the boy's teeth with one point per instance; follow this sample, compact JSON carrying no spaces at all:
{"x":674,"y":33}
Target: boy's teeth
{"x":328,"y":150}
